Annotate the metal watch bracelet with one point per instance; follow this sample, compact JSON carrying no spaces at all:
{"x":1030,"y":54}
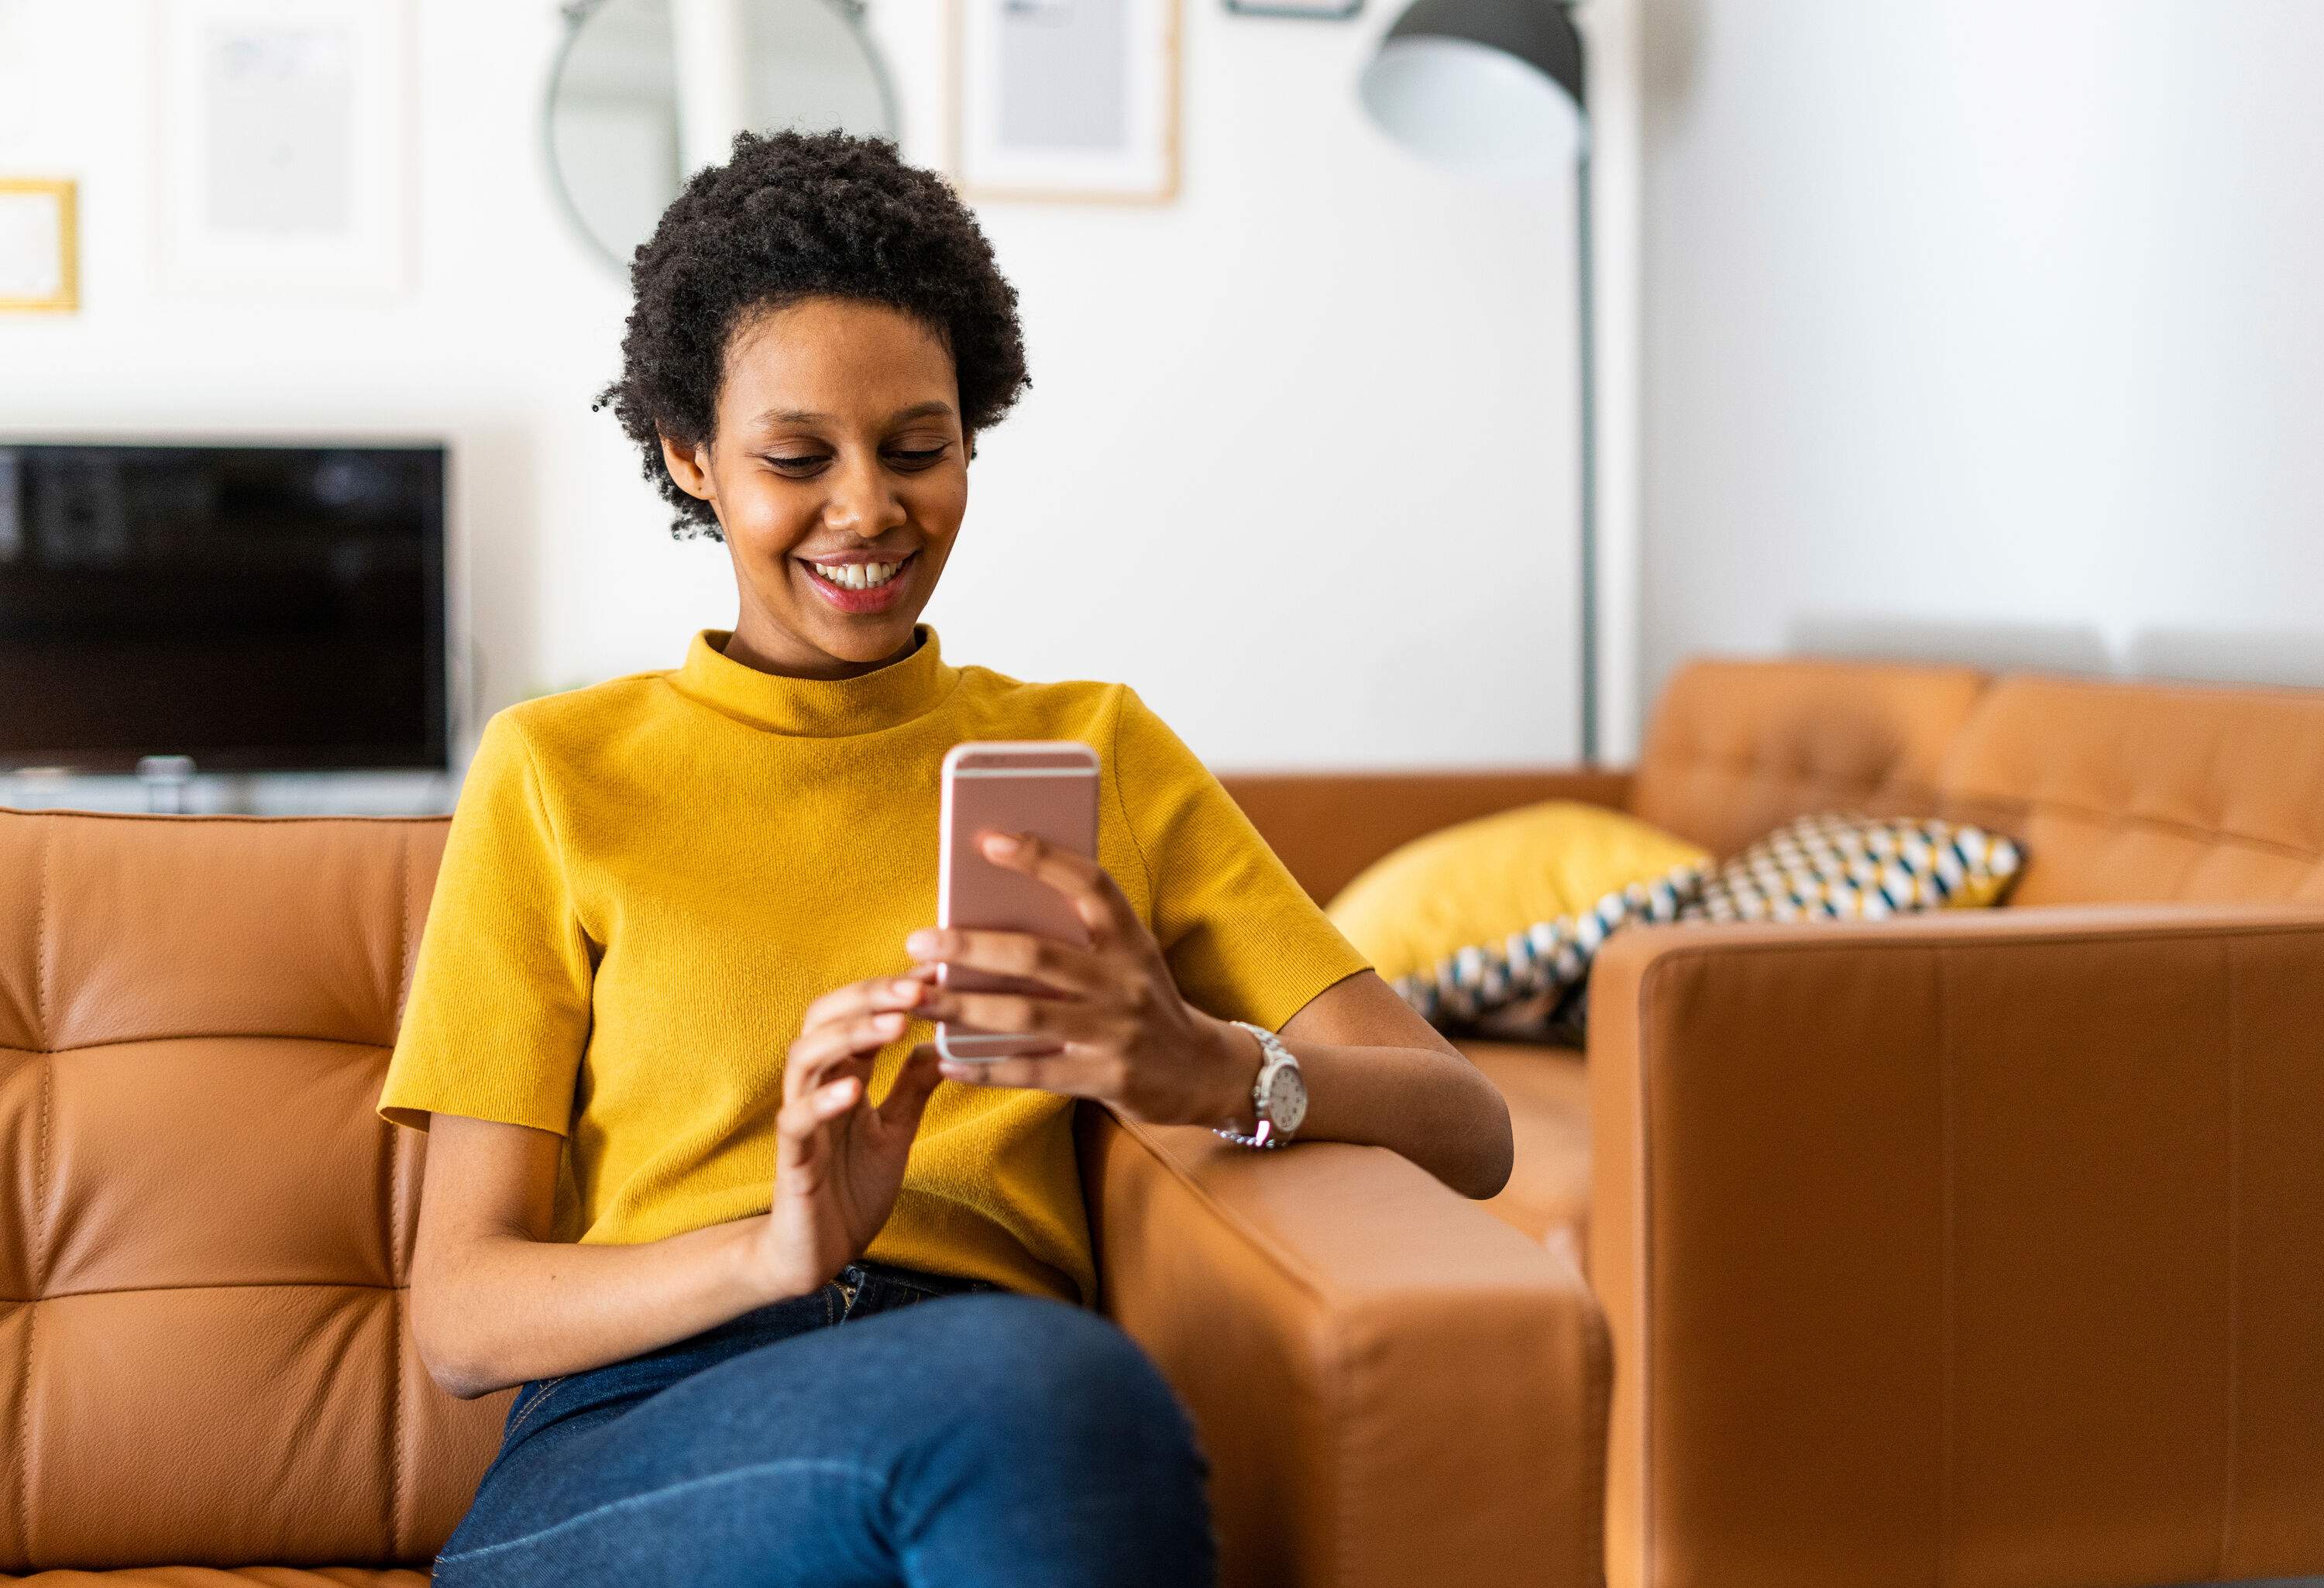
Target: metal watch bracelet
{"x":1271,"y":1052}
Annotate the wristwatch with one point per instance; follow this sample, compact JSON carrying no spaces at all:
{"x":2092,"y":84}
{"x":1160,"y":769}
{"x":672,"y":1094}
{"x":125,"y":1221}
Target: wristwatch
{"x":1279,"y":1096}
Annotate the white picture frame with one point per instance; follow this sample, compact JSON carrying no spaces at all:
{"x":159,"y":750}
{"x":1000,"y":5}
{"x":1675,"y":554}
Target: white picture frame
{"x":1064,"y":101}
{"x":39,"y":245}
{"x":285,"y":163}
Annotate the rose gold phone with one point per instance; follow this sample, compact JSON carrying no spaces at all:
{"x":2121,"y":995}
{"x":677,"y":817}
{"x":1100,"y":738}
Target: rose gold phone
{"x":1046,"y":787}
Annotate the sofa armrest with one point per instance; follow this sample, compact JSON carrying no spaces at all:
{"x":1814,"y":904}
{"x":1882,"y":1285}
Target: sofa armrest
{"x":1392,"y":1386}
{"x":1969,"y":1248}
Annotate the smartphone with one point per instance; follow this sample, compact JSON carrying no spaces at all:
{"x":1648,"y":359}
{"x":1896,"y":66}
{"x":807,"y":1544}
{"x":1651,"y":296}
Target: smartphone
{"x":1044,"y":786}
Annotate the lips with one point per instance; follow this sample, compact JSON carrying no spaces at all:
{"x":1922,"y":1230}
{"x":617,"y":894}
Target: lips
{"x":857,"y":603}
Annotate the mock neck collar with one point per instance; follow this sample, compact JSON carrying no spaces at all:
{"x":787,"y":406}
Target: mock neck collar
{"x":823,"y":708}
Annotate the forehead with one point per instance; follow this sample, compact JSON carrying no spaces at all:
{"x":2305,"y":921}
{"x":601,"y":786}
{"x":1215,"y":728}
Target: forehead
{"x":839,"y":357}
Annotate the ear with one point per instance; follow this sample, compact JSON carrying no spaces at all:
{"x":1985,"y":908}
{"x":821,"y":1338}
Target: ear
{"x":968,"y":440}
{"x":689,"y":467}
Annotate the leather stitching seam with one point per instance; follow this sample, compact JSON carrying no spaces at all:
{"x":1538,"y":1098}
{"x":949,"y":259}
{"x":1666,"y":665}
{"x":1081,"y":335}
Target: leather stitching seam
{"x":1849,"y":937}
{"x":1885,"y":783}
{"x":205,"y":1036}
{"x":37,"y":1270}
{"x":2228,"y":959}
{"x":204,"y":1285}
{"x":1642,"y":1253}
{"x":2021,"y":806}
{"x":395,"y":1310}
{"x":207,"y":815}
{"x":1947,"y":1276}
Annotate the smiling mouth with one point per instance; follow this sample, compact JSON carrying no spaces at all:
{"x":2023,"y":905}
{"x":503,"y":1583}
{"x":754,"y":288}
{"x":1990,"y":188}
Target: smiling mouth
{"x":859,"y":576}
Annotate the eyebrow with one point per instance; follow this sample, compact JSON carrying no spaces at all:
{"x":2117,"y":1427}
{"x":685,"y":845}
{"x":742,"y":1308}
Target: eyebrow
{"x":800,"y":416}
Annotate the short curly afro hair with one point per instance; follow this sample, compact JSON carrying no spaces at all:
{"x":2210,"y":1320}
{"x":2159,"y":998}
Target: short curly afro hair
{"x":793,"y":216}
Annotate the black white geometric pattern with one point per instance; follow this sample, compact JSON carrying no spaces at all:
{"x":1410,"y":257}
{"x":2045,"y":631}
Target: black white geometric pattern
{"x":1844,"y":865}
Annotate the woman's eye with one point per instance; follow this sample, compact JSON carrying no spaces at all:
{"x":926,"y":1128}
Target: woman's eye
{"x":810,"y":461}
{"x":918,"y":459}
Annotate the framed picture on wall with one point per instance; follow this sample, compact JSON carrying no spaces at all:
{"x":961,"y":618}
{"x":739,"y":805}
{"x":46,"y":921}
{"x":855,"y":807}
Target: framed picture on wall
{"x":1064,"y":100}
{"x":1319,"y":10}
{"x":40,"y":246}
{"x":285,"y":161}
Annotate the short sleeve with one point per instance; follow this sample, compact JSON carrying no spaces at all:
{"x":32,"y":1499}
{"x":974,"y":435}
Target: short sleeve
{"x":1243,"y":938}
{"x":498,"y":1013}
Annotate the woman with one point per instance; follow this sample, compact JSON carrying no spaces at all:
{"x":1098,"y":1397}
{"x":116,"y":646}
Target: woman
{"x":692,"y":1175}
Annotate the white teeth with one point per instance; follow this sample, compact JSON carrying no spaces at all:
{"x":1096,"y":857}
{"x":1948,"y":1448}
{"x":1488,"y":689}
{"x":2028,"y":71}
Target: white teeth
{"x":859,"y":576}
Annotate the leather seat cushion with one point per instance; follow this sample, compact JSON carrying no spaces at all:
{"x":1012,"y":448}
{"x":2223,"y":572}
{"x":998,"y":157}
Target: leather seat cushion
{"x":1548,"y":1096}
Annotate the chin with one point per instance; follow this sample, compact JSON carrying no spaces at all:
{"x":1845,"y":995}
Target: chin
{"x":870,"y":638}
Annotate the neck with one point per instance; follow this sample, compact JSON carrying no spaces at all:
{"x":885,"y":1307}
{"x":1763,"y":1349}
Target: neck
{"x":769,"y":648}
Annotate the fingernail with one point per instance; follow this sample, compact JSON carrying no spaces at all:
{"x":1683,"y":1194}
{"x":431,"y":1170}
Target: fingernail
{"x":999,"y":843}
{"x":907,"y":987}
{"x":891,"y":1021}
{"x":920,"y":942}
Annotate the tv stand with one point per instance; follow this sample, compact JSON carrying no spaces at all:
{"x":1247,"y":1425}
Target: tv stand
{"x":165,"y":778}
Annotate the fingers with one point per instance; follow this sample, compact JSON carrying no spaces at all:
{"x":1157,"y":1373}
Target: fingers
{"x":1023,"y":1014}
{"x":820,"y":1048}
{"x":868,"y":997}
{"x":1062,"y":965}
{"x":907,"y":1096}
{"x":799,"y":1123}
{"x":1096,"y":897}
{"x":1065,"y":1073}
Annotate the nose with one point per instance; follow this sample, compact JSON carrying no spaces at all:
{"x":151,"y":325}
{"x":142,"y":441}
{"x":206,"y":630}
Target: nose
{"x":863,"y":500}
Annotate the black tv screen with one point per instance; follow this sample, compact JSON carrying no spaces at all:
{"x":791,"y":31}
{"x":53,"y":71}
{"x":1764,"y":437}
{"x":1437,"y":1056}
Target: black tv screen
{"x":257,"y":608}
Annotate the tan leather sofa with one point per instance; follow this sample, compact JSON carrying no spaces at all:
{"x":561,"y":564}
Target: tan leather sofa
{"x":204,"y":1355}
{"x":1987,"y":1250}
{"x":1973,"y":1251}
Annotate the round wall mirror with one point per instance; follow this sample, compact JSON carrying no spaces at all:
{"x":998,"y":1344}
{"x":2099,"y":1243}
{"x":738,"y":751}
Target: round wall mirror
{"x":645,"y":92}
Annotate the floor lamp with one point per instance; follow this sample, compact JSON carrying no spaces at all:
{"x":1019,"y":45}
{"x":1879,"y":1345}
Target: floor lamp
{"x":1497,"y":84}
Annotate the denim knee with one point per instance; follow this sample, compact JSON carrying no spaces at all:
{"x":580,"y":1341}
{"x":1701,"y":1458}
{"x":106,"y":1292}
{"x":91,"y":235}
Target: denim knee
{"x":1049,"y":1382}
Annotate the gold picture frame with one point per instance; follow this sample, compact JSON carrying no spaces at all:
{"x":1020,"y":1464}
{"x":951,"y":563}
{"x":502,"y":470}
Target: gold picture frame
{"x":63,"y":195}
{"x":1155,"y":28}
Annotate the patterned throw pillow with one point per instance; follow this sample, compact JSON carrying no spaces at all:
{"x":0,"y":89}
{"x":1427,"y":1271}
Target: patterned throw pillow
{"x":1514,"y":985}
{"x":1848,"y":867}
{"x":1834,"y":867}
{"x":1508,"y":908}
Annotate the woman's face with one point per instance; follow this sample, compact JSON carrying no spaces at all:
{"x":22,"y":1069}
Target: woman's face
{"x":837,"y":457}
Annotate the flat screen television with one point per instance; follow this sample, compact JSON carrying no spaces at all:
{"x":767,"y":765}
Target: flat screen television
{"x":256,"y":608}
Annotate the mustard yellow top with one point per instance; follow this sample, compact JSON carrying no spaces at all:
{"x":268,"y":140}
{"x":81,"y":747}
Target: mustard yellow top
{"x":646,"y":881}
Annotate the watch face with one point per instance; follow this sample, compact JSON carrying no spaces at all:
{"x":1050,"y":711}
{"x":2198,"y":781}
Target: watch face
{"x":1286,"y":1099}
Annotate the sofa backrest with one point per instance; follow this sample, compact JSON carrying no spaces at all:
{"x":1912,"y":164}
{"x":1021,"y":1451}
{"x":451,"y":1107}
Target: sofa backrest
{"x":1737,"y":748}
{"x":2129,"y":792}
{"x":203,"y":1353}
{"x":2138,"y":792}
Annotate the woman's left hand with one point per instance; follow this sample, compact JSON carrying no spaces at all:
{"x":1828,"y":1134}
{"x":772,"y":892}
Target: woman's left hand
{"x":1127,"y":1038}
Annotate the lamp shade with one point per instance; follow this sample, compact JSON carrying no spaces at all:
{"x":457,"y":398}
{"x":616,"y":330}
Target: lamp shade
{"x":1488,"y":85}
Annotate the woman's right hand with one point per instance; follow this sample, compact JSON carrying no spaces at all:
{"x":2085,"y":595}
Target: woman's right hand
{"x":839,"y":1160}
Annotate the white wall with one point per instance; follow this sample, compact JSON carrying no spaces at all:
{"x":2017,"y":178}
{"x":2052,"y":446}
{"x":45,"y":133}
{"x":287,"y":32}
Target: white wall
{"x":1297,"y":462}
{"x":1987,"y":329}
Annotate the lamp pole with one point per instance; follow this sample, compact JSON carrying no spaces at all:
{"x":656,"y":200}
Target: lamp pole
{"x":1490,"y":84}
{"x":1586,"y":341}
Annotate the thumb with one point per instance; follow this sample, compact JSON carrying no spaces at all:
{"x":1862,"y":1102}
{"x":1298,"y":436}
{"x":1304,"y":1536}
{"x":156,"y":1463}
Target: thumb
{"x":907,"y":1098}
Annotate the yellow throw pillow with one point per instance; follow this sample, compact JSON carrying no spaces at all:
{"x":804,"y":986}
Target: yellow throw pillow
{"x":1511,"y":907}
{"x":1849,"y":867}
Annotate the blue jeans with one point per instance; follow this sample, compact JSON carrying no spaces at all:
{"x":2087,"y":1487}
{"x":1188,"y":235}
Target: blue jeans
{"x":890,"y":1428}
